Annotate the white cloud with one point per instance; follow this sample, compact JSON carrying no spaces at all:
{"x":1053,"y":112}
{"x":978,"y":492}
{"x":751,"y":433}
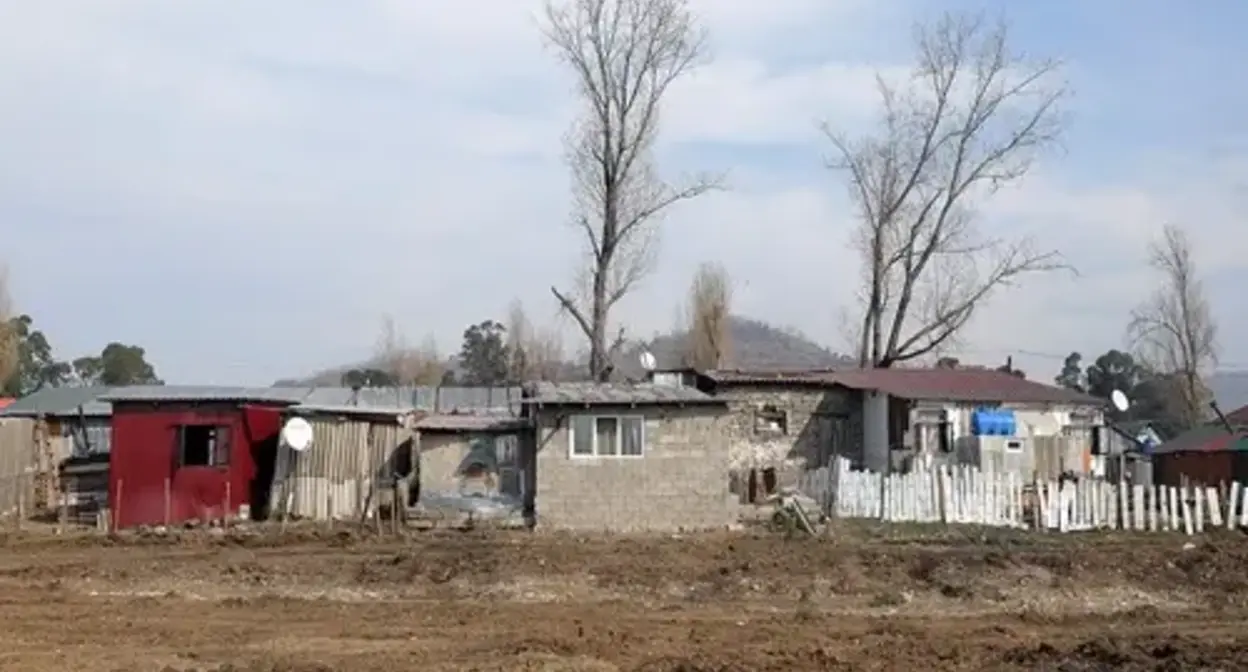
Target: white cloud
{"x":245,"y":187}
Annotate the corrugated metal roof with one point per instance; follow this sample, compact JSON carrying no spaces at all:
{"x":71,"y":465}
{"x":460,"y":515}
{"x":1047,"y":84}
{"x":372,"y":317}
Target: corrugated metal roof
{"x":388,"y":412}
{"x":62,"y":401}
{"x":1238,"y":417}
{"x":167,"y":393}
{"x":767,"y":376}
{"x":616,"y":394}
{"x":6,"y":401}
{"x":465,"y":422}
{"x":1207,"y":439}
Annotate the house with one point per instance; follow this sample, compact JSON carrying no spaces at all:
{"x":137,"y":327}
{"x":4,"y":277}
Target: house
{"x":890,"y":419}
{"x":987,"y":418}
{"x":627,"y":456}
{"x":191,"y":453}
{"x":60,"y":437}
{"x":357,"y":457}
{"x":1207,"y":455}
{"x":1238,"y":417}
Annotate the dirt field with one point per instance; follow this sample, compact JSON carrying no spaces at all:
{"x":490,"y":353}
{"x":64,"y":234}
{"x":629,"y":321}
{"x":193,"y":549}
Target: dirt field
{"x":869,"y":599}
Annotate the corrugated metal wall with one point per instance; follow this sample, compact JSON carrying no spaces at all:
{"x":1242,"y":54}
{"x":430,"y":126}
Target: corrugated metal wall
{"x":333,"y":477}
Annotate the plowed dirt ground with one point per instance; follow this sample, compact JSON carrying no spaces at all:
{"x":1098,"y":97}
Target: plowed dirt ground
{"x":864,"y":599}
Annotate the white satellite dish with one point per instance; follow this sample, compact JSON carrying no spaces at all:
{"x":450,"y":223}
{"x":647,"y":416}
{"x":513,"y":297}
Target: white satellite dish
{"x":647,"y":360}
{"x":297,"y":433}
{"x":1120,"y":401}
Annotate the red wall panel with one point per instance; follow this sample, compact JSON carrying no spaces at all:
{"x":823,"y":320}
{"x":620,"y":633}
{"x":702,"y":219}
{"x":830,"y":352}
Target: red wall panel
{"x":144,"y":459}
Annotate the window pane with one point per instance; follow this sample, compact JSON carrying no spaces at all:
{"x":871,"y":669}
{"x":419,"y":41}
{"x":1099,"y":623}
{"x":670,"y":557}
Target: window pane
{"x":608,"y":436}
{"x":631,"y":435}
{"x":582,"y":428}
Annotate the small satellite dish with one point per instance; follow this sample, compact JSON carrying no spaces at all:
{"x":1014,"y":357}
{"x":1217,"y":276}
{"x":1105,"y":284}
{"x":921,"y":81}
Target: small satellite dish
{"x":1119,"y":399}
{"x":297,"y":433}
{"x":647,"y":360}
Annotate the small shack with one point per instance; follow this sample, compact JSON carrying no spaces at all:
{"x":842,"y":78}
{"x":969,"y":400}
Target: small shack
{"x":182,"y":453}
{"x":1207,"y":455}
{"x":358,"y":455}
{"x":628,"y":457}
{"x":55,"y":443}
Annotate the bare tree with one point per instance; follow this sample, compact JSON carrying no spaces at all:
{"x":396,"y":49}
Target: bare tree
{"x":969,"y":120}
{"x":625,"y":54}
{"x":532,"y":353}
{"x":1174,"y":332}
{"x":707,"y":344}
{"x":9,"y":342}
{"x":404,"y":364}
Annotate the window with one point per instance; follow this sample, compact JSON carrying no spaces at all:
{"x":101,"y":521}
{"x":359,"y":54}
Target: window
{"x":768,"y":419}
{"x":203,"y":446}
{"x":607,"y":436}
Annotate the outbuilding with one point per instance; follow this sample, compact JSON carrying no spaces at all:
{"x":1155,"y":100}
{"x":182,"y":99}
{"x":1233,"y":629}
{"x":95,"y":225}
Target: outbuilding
{"x":627,"y":457}
{"x":191,"y":453}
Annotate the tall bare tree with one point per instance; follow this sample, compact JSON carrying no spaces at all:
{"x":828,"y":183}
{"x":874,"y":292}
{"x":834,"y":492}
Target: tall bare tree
{"x":707,"y":343}
{"x":9,"y":338}
{"x":1174,"y":332}
{"x":407,"y":365}
{"x":533,"y":353}
{"x":970,"y":119}
{"x":624,"y":54}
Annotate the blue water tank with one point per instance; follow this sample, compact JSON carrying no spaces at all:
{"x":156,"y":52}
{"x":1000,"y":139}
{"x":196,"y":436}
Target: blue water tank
{"x":993,"y":422}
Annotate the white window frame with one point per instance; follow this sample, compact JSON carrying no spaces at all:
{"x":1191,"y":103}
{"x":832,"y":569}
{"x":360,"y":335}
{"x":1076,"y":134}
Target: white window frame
{"x":619,"y":436}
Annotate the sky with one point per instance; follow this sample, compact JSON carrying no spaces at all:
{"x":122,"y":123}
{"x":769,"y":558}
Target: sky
{"x":245,"y":189}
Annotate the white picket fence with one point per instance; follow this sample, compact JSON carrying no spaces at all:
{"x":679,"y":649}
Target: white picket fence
{"x":969,"y":496}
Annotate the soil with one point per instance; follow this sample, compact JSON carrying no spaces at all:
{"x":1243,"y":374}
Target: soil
{"x":862,"y":598}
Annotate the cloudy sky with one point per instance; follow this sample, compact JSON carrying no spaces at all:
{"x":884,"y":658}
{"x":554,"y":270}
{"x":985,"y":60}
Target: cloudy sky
{"x":245,"y":188}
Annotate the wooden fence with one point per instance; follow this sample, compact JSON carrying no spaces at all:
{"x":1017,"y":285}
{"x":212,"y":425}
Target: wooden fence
{"x":967,"y":495}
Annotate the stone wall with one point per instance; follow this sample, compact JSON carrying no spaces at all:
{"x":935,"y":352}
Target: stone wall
{"x":680,"y":482}
{"x":820,"y":423}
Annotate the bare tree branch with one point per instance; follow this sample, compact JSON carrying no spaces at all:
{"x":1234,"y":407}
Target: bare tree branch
{"x":970,"y":120}
{"x":625,"y":54}
{"x":533,"y":353}
{"x":1174,"y":333}
{"x":404,"y":364}
{"x":707,"y":345}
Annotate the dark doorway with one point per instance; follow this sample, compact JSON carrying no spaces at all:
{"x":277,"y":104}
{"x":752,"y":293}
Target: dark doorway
{"x":264,"y":456}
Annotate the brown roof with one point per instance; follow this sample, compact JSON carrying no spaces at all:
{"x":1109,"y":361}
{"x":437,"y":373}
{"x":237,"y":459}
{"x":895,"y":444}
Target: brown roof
{"x":1238,"y":417}
{"x":965,"y":385}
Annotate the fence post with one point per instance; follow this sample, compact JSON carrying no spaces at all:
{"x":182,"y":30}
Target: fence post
{"x":225,"y":508}
{"x":168,"y":502}
{"x":116,"y":522}
{"x":21,"y":501}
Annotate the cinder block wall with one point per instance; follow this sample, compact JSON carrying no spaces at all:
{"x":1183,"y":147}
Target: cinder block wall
{"x":681,"y":482}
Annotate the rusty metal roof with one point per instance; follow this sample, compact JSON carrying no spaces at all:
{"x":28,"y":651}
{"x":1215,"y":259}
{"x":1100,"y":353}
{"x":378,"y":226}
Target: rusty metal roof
{"x":1207,"y":439}
{"x":967,"y":385}
{"x":618,"y":394}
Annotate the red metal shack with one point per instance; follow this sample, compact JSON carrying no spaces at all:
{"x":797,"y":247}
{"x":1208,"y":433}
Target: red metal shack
{"x":192,"y":453}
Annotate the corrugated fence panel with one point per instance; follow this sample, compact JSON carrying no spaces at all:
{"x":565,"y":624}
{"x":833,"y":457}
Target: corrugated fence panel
{"x":17,"y":463}
{"x":334,"y":477}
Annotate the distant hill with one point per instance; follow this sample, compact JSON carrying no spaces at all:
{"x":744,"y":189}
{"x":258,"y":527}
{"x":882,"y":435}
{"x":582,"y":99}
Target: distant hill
{"x":754,"y":345}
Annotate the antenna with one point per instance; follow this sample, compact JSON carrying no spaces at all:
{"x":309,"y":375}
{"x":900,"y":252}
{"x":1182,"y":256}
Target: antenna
{"x":647,"y":361}
{"x":297,"y":434}
{"x":1120,"y":401}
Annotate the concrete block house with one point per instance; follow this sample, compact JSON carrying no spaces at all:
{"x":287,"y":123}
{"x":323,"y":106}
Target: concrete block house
{"x":626,"y":457}
{"x":783,"y":423}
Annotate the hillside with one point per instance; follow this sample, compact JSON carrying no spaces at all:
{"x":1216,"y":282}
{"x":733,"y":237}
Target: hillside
{"x":755,"y":345}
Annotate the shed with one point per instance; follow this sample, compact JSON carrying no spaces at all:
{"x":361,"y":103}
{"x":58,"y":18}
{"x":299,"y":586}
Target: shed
{"x":626,"y":457}
{"x":182,"y":453}
{"x":44,"y":429}
{"x":1207,"y":455}
{"x":471,"y":454}
{"x":358,"y":454}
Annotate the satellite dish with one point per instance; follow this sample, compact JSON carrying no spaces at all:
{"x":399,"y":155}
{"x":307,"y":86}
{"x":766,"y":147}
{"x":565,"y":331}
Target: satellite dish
{"x":647,"y":360}
{"x":1120,"y":401}
{"x":297,"y":433}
